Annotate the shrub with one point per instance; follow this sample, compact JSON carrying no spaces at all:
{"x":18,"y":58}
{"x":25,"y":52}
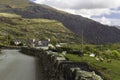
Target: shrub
{"x":116,"y":54}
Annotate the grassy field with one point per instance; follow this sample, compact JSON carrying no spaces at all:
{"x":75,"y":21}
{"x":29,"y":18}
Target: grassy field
{"x":15,"y":3}
{"x":9,"y":15}
{"x":110,"y":70}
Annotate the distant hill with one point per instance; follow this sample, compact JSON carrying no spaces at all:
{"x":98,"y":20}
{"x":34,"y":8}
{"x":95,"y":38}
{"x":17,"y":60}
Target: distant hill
{"x":94,"y":32}
{"x":20,"y":28}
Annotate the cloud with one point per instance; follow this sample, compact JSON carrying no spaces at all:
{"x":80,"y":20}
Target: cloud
{"x":105,"y":21}
{"x":102,"y":10}
{"x":91,"y":12}
{"x":86,"y":8}
{"x":81,"y":4}
{"x":108,"y":21}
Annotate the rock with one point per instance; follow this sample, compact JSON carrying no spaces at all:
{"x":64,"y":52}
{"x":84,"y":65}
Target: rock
{"x":85,"y":75}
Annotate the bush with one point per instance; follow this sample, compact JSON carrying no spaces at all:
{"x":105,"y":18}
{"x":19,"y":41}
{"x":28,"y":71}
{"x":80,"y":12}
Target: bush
{"x":116,"y":54}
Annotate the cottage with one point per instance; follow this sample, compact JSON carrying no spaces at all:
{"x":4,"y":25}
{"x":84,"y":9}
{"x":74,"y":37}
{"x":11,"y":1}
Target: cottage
{"x":92,"y":55}
{"x":17,"y":42}
{"x":42,"y":44}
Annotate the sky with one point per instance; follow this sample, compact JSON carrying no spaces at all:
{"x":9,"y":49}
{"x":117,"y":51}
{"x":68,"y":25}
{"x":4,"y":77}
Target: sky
{"x":104,"y":11}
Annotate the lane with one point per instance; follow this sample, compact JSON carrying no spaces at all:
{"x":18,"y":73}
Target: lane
{"x":17,"y":66}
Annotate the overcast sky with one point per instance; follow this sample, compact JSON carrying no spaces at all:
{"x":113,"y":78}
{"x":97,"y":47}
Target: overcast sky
{"x":104,"y":11}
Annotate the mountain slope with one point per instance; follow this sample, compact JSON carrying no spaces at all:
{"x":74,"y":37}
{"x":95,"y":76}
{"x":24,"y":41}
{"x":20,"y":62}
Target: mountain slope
{"x":21,"y":28}
{"x":15,"y":3}
{"x":94,"y":32}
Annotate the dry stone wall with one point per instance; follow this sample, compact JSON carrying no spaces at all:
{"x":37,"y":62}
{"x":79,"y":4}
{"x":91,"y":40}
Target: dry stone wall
{"x":57,"y":67}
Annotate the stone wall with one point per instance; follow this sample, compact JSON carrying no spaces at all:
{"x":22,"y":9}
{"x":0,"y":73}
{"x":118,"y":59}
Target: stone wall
{"x":57,"y":67}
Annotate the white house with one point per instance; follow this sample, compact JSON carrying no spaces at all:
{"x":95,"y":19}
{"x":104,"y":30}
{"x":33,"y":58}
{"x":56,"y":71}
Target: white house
{"x":17,"y":41}
{"x":43,"y":44}
{"x":92,"y":55}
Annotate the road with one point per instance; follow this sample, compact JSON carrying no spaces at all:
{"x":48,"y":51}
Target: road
{"x":17,"y":66}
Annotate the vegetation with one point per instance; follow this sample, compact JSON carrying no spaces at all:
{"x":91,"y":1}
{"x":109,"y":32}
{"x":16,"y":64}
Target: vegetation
{"x":9,"y":15}
{"x":15,"y":3}
{"x":12,"y":27}
{"x":110,"y":54}
{"x":94,"y":32}
{"x":109,"y":70}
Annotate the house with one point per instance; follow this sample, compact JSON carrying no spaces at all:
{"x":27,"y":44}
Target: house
{"x":17,"y":42}
{"x":92,"y":55}
{"x":43,"y":44}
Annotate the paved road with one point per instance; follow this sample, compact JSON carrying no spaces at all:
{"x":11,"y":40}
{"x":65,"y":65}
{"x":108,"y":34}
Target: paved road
{"x":17,"y":66}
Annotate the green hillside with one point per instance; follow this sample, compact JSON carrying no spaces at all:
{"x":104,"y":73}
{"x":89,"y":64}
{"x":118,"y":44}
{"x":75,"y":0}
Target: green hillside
{"x":94,"y":32}
{"x":26,"y":29}
{"x":9,"y":15}
{"x":15,"y":3}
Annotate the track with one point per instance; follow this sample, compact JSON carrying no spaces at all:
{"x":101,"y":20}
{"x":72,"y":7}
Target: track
{"x":17,"y":66}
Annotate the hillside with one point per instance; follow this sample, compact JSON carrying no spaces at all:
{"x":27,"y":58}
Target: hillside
{"x":21,"y":28}
{"x":14,"y":3}
{"x":94,"y":32}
